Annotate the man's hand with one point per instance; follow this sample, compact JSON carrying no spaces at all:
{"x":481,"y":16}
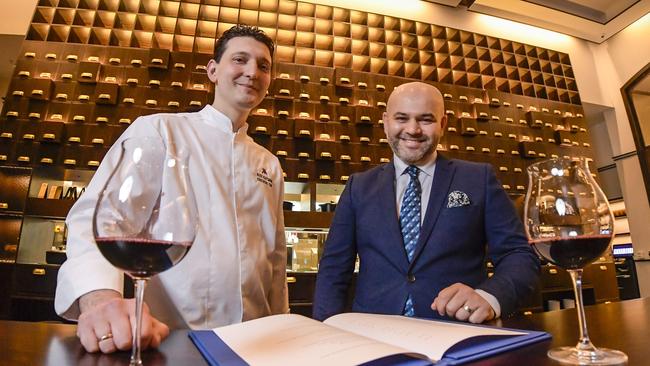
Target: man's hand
{"x":105,"y":312}
{"x":463,"y":303}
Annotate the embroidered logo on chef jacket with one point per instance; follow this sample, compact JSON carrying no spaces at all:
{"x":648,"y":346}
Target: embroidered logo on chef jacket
{"x":263,"y":177}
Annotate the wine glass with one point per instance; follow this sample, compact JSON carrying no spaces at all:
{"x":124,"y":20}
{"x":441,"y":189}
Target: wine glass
{"x":569,"y":222}
{"x":146,"y":220}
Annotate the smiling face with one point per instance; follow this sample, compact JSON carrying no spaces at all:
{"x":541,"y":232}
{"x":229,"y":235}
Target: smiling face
{"x":414,"y":121}
{"x":241,"y":77}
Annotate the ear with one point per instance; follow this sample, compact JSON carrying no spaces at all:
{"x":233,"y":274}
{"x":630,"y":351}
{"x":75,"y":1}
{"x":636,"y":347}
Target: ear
{"x":384,"y":115}
{"x":212,"y":70}
{"x":443,"y":124}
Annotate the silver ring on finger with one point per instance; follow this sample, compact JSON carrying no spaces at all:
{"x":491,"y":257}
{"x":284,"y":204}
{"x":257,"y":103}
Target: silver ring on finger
{"x":468,"y":309}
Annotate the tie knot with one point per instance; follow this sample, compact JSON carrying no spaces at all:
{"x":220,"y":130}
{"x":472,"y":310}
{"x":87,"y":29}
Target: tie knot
{"x":413,"y":171}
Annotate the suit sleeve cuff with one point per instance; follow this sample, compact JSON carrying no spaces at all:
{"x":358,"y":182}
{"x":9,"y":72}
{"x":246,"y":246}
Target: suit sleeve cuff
{"x":494,"y":303}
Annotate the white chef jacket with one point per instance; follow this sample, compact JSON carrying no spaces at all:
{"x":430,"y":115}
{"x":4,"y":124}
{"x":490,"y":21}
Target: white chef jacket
{"x":235,"y":269}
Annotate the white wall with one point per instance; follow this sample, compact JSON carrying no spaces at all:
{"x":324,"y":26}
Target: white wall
{"x":619,"y":59}
{"x":13,"y":27}
{"x":630,"y":48}
{"x":20,"y":14}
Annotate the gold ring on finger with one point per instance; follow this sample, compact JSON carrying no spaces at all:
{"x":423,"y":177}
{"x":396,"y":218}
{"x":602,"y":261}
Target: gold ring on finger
{"x":105,"y":337}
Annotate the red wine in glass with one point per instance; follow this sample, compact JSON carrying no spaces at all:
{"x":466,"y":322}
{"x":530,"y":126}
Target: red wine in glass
{"x":572,"y":252}
{"x":569,"y":222}
{"x":145,"y":219}
{"x":142,"y":257}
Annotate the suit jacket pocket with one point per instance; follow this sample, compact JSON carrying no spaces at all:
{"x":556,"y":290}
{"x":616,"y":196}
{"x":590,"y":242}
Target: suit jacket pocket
{"x":461,"y":218}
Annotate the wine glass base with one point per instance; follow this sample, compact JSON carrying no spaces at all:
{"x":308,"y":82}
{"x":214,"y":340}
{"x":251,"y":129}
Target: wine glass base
{"x":599,"y":356}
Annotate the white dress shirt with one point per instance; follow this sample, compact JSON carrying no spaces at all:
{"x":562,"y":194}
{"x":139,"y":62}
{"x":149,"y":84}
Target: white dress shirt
{"x":425,"y":176}
{"x":235,"y":270}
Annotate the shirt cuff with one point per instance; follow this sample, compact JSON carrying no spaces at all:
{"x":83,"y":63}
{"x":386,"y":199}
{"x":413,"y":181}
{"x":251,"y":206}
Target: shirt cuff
{"x":494,"y":303}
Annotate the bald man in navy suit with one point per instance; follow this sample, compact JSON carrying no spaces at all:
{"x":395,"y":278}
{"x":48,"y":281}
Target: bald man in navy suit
{"x":423,"y":226}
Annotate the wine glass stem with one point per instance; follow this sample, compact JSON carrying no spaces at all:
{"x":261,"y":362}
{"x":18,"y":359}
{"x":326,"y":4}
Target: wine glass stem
{"x":584,"y":344}
{"x":140,"y":284}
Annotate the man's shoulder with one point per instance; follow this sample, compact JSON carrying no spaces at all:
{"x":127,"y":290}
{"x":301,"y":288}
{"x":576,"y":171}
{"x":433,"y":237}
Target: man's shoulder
{"x":465,"y":164}
{"x":259,"y":149}
{"x":262,"y":154}
{"x":167,"y":118}
{"x":172,"y":115}
{"x":371,"y":174}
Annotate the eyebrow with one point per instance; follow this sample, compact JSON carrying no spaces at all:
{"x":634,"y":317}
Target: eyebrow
{"x":423,"y":115}
{"x":244,"y":53}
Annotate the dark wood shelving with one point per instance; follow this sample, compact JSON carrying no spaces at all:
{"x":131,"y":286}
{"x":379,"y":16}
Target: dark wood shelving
{"x":488,"y":84}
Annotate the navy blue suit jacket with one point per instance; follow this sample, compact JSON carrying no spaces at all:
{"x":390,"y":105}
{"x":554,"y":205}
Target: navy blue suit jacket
{"x":453,"y":244}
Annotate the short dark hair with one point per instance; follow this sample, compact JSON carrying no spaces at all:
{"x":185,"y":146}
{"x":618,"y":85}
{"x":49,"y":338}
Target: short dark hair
{"x":241,"y":30}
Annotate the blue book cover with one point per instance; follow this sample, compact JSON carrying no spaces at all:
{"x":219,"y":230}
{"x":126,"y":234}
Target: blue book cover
{"x":356,"y":339}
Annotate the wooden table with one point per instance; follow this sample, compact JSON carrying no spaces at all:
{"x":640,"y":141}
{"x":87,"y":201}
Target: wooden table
{"x":622,"y":325}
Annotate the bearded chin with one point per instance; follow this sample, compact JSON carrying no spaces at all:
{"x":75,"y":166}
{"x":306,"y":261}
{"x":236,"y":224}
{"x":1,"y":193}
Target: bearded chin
{"x":411,"y":157}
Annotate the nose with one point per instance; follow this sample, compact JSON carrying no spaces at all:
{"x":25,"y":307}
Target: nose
{"x":251,"y":69}
{"x":413,"y":127}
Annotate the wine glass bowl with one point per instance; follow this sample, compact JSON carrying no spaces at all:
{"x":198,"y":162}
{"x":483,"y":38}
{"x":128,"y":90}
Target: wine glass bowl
{"x":141,"y":258}
{"x":145,"y":219}
{"x":569,"y":223}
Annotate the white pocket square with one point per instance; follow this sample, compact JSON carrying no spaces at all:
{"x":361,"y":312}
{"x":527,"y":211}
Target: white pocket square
{"x":457,"y":199}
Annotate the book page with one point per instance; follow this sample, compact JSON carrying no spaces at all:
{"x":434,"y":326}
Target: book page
{"x":428,"y":337}
{"x":290,"y":339}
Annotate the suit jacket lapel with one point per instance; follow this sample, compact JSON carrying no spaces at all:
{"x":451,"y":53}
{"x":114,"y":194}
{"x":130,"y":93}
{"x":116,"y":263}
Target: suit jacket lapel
{"x":393,"y":241}
{"x":437,"y":199}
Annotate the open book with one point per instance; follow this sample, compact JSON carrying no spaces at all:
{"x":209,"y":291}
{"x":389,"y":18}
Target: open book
{"x":353,"y":339}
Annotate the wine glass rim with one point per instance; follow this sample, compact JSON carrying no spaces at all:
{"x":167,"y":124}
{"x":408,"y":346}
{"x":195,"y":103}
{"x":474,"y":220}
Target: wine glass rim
{"x":558,"y":160}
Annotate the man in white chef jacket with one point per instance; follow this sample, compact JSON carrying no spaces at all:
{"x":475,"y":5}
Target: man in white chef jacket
{"x":235,"y":270}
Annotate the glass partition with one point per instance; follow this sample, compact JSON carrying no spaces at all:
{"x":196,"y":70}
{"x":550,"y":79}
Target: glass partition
{"x":327,"y":196}
{"x":304,"y":248}
{"x":297,"y":196}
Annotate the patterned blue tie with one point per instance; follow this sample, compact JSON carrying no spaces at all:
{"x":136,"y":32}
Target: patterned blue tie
{"x":409,"y":219}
